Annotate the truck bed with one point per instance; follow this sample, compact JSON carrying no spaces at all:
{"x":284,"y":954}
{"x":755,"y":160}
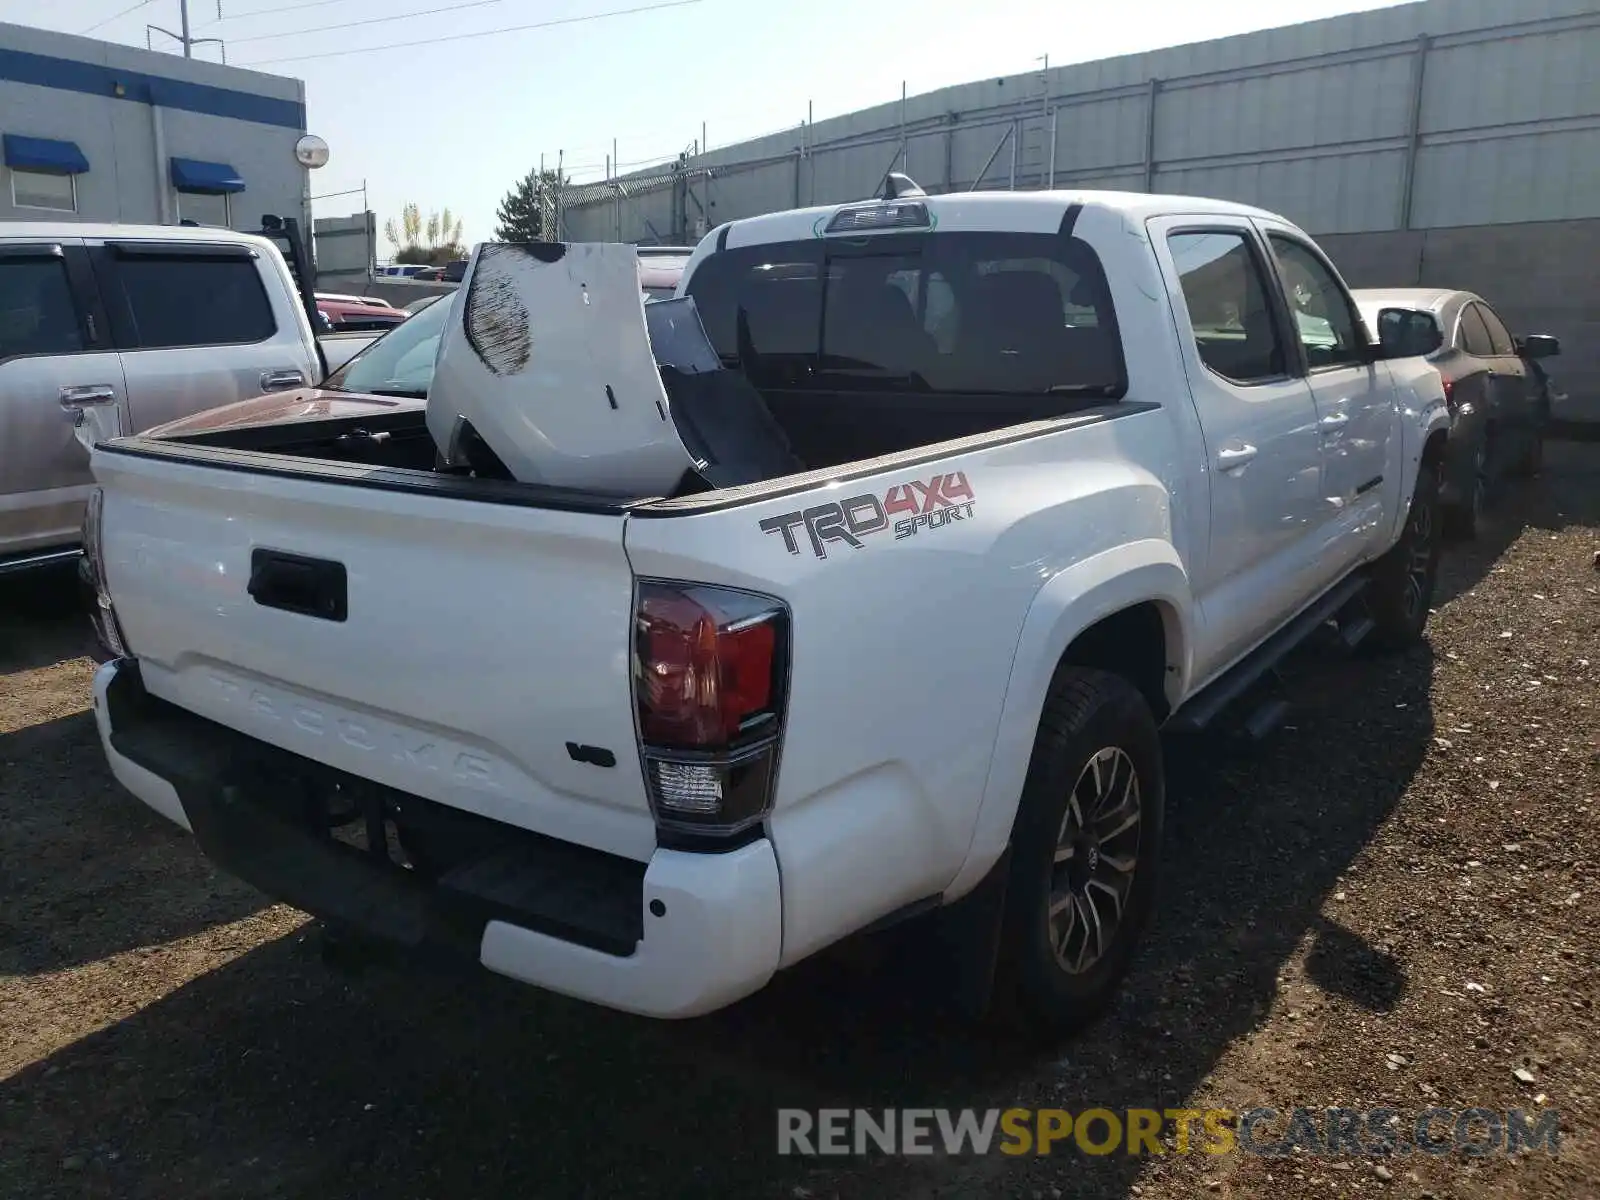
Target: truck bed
{"x":827,"y":431}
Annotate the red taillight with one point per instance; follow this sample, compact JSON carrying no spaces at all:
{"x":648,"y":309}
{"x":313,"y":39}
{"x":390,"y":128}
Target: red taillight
{"x":710,"y":671}
{"x":1450,"y":394}
{"x":702,"y":672}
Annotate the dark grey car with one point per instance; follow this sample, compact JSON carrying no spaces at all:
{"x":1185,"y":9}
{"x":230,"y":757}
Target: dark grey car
{"x":1499,"y":397}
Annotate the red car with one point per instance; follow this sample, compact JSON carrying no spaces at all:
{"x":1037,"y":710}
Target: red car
{"x":660,"y":268}
{"x":357,"y":314}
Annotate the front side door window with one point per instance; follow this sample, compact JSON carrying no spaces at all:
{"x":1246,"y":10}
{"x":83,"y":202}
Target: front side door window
{"x":1355,"y":401}
{"x":1325,"y":319}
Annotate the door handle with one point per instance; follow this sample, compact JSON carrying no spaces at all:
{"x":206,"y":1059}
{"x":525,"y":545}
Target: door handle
{"x":76,"y":399}
{"x":277,"y":381}
{"x":1333,"y":422}
{"x":313,"y":587}
{"x":1235,"y":457}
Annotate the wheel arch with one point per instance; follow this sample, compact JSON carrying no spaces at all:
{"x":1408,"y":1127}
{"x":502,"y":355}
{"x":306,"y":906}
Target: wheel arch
{"x":1129,"y":611}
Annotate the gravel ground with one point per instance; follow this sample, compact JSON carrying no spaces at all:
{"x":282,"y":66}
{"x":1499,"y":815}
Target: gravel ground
{"x":1389,"y":904}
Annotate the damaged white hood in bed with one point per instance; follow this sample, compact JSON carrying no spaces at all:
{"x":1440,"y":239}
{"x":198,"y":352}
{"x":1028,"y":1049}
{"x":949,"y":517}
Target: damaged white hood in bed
{"x":547,"y":359}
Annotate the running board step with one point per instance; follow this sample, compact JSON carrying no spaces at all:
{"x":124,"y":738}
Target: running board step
{"x":1355,"y":631}
{"x":1259,"y":725}
{"x":1201,"y":711}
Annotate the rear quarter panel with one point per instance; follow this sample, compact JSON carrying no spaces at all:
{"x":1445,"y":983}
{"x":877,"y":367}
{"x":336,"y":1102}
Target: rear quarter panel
{"x":904,"y":642}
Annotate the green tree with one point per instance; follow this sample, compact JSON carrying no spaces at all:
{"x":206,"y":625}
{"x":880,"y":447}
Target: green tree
{"x":434,"y":240}
{"x":527,"y":214}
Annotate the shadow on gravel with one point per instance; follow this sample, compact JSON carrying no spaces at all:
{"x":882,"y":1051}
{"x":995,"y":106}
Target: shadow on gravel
{"x":1565,"y":493}
{"x":87,"y":871}
{"x":1341,"y":963}
{"x":273,"y":1076}
{"x":42,"y":619}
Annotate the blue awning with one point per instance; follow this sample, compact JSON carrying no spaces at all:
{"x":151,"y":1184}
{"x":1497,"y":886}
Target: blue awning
{"x":192,"y":175}
{"x":44,"y":154}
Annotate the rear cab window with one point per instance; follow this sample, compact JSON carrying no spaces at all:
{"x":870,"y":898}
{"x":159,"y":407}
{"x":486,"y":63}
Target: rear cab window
{"x":947,"y":313}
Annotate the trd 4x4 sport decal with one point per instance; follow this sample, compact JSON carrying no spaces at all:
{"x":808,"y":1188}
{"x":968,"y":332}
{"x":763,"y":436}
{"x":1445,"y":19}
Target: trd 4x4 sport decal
{"x":931,"y":505}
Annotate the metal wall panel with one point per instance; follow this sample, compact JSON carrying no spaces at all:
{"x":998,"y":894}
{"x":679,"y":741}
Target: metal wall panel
{"x":1514,"y":80}
{"x":1312,"y":106}
{"x":1414,"y":116}
{"x":1336,"y":193}
{"x":1101,"y":134}
{"x":1551,"y":176}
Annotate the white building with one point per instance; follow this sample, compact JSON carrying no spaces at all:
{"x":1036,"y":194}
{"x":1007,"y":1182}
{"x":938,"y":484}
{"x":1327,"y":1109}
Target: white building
{"x":102,"y":132}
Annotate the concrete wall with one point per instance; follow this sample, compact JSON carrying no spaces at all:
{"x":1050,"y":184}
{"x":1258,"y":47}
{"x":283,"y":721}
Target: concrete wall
{"x":1540,"y":277}
{"x":57,"y":86}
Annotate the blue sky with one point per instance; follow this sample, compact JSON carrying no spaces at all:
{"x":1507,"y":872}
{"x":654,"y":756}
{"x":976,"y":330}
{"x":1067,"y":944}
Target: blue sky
{"x":457,"y":122}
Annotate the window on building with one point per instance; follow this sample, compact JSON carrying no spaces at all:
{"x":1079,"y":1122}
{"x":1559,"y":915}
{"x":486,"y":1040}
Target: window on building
{"x":37,"y":312}
{"x":205,"y":208}
{"x":44,"y":189}
{"x":1225,"y":294}
{"x":195,"y":302}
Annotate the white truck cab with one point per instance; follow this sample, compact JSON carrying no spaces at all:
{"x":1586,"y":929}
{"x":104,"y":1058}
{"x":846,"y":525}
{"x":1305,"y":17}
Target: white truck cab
{"x":987,"y":490}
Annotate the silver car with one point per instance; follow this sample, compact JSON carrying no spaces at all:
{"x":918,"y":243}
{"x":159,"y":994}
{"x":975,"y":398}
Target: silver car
{"x":141,"y":325}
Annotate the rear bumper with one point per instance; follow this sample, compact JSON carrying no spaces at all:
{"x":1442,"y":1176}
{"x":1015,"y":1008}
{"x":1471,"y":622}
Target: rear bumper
{"x":680,"y":936}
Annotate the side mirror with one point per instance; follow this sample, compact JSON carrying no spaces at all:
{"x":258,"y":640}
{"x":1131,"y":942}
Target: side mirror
{"x":1538,"y":345}
{"x":1407,"y":333}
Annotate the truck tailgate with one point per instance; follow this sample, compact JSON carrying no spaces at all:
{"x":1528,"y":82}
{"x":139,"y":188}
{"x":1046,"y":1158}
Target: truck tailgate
{"x":458,"y":650}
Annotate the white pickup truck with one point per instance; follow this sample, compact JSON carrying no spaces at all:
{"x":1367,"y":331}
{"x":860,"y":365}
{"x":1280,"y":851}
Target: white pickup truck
{"x":1059,"y":469}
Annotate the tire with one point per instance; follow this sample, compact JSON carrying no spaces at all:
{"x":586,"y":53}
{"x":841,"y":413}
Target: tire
{"x":1531,"y":461}
{"x":1462,"y":521}
{"x":1404,"y":578}
{"x":1092,"y":720}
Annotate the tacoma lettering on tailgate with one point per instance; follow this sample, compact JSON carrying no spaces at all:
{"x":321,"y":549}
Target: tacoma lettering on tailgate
{"x":930,"y":505}
{"x":415,"y":751}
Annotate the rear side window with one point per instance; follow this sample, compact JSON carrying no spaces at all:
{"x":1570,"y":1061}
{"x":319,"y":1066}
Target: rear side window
{"x":37,"y":312}
{"x":1472,"y":335}
{"x":1499,"y":336}
{"x":960,"y":313}
{"x":1226,"y":295}
{"x":194,"y":302}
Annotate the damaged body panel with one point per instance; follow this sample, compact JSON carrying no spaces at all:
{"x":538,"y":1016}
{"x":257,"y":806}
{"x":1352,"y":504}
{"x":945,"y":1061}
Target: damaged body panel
{"x":547,"y":360}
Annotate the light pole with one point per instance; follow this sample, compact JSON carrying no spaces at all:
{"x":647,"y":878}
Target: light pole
{"x":188,"y":40}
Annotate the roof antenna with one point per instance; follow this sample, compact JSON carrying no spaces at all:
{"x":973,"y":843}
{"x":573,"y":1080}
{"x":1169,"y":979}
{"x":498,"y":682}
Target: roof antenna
{"x":897,"y":186}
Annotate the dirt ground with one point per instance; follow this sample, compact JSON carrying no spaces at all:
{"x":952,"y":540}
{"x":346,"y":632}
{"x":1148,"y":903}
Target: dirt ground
{"x":1389,"y":904}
